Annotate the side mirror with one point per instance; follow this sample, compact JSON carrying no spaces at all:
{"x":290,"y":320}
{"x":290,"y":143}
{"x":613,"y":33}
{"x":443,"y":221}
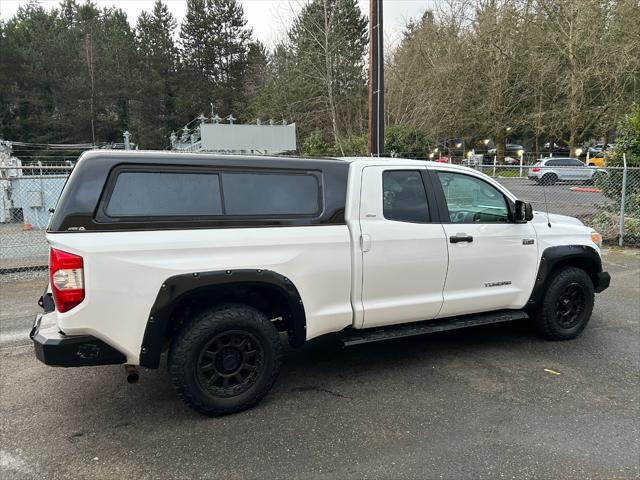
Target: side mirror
{"x":524,"y":212}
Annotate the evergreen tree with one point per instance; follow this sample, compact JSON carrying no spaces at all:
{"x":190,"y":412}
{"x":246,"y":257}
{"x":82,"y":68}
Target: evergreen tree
{"x":156,"y":82}
{"x":30,"y":43}
{"x":215,"y":44}
{"x":318,"y":75}
{"x":115,"y":61}
{"x":255,"y":75}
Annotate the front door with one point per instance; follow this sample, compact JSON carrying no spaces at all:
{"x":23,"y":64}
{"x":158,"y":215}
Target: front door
{"x":404,"y":254}
{"x":492,"y":260}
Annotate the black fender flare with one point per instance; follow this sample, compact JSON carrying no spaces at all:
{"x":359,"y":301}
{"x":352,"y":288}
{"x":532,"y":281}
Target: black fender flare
{"x":177,"y":287}
{"x":577,"y":255}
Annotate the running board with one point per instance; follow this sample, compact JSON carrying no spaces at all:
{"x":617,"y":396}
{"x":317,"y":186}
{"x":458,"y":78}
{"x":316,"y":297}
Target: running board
{"x":371,"y":335}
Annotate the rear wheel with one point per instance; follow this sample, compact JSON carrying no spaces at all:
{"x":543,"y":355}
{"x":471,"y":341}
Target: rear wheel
{"x":549,"y":179}
{"x":566,"y":306}
{"x":225,"y":360}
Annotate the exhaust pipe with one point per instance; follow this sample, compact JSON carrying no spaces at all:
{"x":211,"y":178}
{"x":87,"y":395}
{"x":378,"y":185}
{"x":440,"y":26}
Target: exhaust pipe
{"x":132,"y":373}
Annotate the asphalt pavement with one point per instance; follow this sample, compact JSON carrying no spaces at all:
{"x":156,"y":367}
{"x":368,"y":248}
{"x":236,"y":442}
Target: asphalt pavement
{"x":559,"y":198}
{"x":490,"y":402}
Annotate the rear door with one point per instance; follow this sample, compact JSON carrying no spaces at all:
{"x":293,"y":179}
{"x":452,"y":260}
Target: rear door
{"x":558,"y":167}
{"x":492,"y":260}
{"x":581,"y":171}
{"x":404,"y":251}
{"x":572,"y":169}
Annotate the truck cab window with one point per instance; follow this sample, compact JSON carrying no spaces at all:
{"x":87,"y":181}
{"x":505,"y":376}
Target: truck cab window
{"x":471,"y":200}
{"x":404,"y":196}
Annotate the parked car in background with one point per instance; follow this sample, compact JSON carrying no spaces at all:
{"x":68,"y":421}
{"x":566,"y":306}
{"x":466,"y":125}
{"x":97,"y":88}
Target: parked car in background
{"x":557,"y":150}
{"x":473,"y":161}
{"x":488,"y":160}
{"x":511,"y":149}
{"x":597,"y":159}
{"x":600,"y":148}
{"x":511,"y":161}
{"x":552,"y":170}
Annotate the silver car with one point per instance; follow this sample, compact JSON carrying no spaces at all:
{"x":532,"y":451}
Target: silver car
{"x":551,"y":170}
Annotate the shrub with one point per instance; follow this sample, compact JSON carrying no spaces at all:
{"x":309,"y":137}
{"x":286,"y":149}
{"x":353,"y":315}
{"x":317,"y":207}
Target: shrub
{"x":607,"y":222}
{"x":355,"y":146}
{"x":317,"y":144}
{"x":407,"y":142}
{"x":627,"y":143}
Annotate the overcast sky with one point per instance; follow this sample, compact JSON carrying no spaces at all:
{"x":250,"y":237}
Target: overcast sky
{"x":268,"y":18}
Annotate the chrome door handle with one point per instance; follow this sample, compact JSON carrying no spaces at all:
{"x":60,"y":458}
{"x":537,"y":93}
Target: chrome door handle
{"x":460,"y":237}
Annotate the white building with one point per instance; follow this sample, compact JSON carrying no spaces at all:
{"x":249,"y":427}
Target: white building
{"x":258,"y":138}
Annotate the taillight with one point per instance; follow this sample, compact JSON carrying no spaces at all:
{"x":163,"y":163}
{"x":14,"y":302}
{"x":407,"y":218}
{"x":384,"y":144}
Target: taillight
{"x":535,"y":169}
{"x":67,"y":279}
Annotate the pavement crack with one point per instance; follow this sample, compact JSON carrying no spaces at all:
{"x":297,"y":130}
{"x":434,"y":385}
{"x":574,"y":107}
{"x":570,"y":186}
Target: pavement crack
{"x":316,"y":388}
{"x":72,"y":438}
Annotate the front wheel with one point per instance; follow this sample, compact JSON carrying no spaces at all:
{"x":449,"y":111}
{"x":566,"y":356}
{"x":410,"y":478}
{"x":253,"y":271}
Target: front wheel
{"x":597,"y":176}
{"x":566,"y":306}
{"x":225,"y":360}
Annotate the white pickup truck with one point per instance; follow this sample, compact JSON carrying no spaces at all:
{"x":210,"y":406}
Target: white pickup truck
{"x":211,"y":257}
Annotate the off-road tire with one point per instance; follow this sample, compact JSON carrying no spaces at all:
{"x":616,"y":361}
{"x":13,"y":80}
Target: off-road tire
{"x":550,"y":320}
{"x":191,"y":347}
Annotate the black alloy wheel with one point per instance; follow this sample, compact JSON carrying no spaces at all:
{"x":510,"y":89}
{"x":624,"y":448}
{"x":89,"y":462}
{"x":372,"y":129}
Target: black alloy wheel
{"x":566,"y":306}
{"x":229,"y":363}
{"x":570,"y":305}
{"x":225,"y":359}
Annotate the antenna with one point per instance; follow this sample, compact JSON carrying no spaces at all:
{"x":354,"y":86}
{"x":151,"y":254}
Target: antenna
{"x":546,"y":205}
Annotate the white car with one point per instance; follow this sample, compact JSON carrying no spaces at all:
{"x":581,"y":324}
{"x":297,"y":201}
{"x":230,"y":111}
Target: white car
{"x":549,"y":171}
{"x":211,"y":257}
{"x":599,"y":148}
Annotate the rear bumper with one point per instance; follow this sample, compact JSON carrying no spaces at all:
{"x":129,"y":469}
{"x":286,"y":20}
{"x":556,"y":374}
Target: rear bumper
{"x":604,"y":279}
{"x":56,"y":349}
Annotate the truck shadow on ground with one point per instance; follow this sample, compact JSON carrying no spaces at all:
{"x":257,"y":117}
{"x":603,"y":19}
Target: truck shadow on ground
{"x":322,"y":367}
{"x":319,"y":378}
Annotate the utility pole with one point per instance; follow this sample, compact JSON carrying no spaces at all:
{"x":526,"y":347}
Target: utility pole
{"x":89,"y":53}
{"x":376,"y":80}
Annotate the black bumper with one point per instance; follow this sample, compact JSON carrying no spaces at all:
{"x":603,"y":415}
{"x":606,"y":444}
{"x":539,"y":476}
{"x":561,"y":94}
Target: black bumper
{"x":59,"y":350}
{"x":604,"y":279}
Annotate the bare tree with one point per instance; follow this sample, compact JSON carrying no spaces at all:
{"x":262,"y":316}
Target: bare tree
{"x":559,"y":69}
{"x":596,"y":61}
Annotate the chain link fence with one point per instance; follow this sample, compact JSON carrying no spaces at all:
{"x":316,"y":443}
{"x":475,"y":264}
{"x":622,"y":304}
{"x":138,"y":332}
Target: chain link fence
{"x":27,"y":194}
{"x":606,"y":199}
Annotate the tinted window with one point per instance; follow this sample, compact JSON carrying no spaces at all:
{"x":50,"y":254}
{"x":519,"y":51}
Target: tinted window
{"x":565,"y":162}
{"x":143,"y":194}
{"x":270,"y":194}
{"x":404,"y":196}
{"x":471,"y":200}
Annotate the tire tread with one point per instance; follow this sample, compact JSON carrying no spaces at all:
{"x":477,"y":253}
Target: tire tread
{"x":200,"y":326}
{"x":545,"y":317}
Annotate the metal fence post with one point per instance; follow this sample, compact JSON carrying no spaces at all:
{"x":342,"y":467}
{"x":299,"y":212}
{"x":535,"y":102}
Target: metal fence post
{"x":521,"y":160}
{"x":623,"y":196}
{"x":495,"y":159}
